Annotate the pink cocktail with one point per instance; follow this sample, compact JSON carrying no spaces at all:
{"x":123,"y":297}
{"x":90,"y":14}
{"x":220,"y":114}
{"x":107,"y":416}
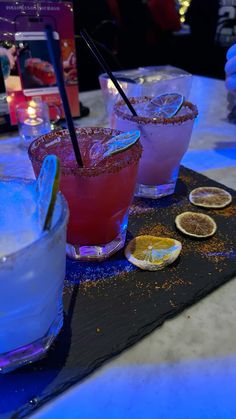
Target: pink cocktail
{"x":98,"y":195}
{"x":164,"y":141}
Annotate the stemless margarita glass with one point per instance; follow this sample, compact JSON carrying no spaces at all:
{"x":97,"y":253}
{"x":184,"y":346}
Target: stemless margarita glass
{"x":98,"y":195}
{"x":31,"y":285}
{"x":164,"y":141}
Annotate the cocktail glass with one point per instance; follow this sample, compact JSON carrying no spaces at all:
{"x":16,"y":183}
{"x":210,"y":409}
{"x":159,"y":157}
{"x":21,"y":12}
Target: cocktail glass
{"x":98,"y":195}
{"x":31,"y":281}
{"x":164,"y":141}
{"x":144,"y":81}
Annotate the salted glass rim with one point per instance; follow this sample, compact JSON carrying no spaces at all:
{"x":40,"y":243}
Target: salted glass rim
{"x":64,"y":213}
{"x":124,"y":159}
{"x":144,"y":120}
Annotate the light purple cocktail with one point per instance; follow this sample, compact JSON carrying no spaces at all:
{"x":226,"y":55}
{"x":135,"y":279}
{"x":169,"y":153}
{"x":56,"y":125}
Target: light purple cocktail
{"x":164,"y":141}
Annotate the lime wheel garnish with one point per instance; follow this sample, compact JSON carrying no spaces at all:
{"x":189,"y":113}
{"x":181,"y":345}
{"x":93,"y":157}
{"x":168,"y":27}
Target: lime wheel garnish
{"x":121,"y":142}
{"x":166,"y":105}
{"x":196,"y":224}
{"x":47,"y":186}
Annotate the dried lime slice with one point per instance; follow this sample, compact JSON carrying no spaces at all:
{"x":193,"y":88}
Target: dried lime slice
{"x":210,"y":197}
{"x":196,"y":224}
{"x":47,"y":185}
{"x":152,"y":253}
{"x":121,"y":142}
{"x":165,"y":106}
{"x":100,"y":150}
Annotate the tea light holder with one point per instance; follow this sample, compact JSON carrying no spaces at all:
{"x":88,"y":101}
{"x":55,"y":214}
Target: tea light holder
{"x":33,"y":121}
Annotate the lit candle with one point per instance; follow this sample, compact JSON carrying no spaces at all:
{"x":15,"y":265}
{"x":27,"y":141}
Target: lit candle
{"x":33,"y":119}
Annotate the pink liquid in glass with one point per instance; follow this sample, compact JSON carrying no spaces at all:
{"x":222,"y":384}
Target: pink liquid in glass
{"x":164,"y":141}
{"x":98,"y":195}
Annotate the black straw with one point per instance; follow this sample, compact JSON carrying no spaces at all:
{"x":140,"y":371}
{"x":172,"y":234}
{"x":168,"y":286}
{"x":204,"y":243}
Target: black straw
{"x":106,"y":68}
{"x":55,"y":57}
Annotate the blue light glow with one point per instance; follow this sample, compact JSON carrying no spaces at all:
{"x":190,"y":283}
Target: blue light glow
{"x":78,"y":272}
{"x":202,"y":160}
{"x":193,"y":389}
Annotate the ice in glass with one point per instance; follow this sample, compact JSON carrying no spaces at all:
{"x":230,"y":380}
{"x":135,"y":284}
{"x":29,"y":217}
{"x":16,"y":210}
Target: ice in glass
{"x":32,"y":271}
{"x":164,"y":141}
{"x":98,"y":195}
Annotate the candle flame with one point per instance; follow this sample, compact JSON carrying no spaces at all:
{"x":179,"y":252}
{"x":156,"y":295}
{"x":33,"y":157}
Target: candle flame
{"x":31,"y":112}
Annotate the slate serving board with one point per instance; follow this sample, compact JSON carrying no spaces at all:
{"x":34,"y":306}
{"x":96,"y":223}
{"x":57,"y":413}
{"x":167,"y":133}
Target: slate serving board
{"x":111,"y":305}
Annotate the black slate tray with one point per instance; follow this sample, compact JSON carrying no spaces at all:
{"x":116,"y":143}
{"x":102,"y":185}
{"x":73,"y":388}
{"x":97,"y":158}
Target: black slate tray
{"x":111,"y":305}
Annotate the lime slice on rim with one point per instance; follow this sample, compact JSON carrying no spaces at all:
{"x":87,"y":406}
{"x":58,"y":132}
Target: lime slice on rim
{"x":152,"y":253}
{"x":166,"y":105}
{"x":99,"y":151}
{"x":47,"y":186}
{"x":121,"y":142}
{"x":196,"y":224}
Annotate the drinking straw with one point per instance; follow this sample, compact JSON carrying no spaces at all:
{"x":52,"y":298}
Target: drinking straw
{"x":55,"y":57}
{"x":106,"y":68}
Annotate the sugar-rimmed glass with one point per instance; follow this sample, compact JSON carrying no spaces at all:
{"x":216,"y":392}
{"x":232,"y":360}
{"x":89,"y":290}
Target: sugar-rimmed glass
{"x":98,"y":197}
{"x":164,"y":141}
{"x":144,"y":81}
{"x":31,"y":284}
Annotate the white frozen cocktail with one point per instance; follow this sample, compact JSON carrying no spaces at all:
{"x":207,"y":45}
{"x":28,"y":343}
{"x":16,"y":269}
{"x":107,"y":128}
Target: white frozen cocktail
{"x":32,"y":270}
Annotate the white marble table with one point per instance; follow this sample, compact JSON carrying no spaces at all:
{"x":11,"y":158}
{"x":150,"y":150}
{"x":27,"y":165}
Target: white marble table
{"x":185,"y":369}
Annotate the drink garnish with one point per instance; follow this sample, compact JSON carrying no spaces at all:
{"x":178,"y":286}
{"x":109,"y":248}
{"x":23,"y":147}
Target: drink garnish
{"x":121,"y":142}
{"x":47,"y":186}
{"x":210,"y":197}
{"x":196,"y":224}
{"x":165,"y":106}
{"x":99,"y":151}
{"x":152,"y":253}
